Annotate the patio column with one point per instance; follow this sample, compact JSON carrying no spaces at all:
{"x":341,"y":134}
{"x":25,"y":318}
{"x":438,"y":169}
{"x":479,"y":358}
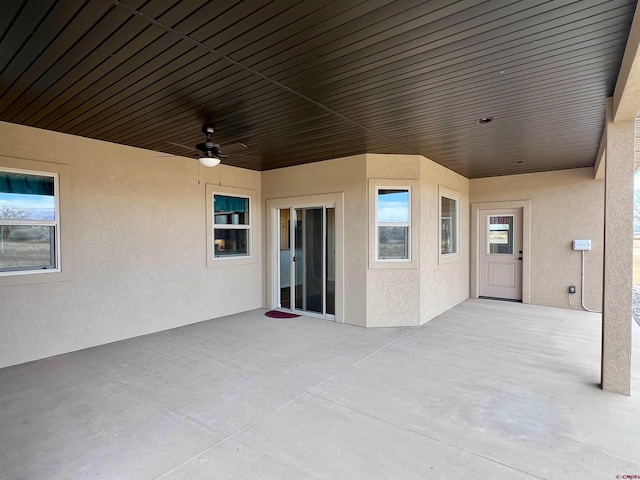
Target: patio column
{"x":618,"y":255}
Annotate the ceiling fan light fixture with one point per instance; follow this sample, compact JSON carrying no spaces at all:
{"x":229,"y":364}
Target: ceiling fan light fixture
{"x":209,"y":161}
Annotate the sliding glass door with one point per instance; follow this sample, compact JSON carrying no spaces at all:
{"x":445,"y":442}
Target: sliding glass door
{"x":307,"y":259}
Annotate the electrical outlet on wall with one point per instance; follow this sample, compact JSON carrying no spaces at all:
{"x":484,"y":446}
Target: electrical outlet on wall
{"x":572,"y":289}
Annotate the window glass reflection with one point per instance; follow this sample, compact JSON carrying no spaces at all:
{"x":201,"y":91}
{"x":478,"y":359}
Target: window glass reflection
{"x":393,"y":206}
{"x":501,"y":235}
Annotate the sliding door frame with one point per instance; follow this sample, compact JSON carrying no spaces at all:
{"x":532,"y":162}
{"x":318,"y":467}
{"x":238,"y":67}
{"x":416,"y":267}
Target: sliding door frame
{"x":273,"y":206}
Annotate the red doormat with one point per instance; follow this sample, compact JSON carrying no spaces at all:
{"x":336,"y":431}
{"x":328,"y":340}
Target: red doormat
{"x":278,"y":314}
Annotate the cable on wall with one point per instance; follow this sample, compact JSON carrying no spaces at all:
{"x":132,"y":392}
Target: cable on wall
{"x":582,"y":289}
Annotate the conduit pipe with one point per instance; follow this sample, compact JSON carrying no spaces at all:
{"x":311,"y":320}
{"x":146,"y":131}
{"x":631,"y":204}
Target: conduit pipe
{"x":582,"y":288}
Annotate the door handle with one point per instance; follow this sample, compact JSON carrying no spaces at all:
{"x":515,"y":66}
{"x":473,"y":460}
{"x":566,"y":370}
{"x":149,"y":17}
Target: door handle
{"x":293,"y":258}
{"x":520,"y":258}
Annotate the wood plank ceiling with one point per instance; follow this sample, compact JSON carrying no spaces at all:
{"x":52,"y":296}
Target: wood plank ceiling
{"x":303,"y":81}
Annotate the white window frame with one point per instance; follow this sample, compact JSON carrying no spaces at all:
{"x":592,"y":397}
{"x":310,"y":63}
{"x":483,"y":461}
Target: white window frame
{"x":445,"y":192}
{"x":230,"y":226}
{"x":254,"y":223}
{"x":379,"y":224}
{"x":56,"y":267}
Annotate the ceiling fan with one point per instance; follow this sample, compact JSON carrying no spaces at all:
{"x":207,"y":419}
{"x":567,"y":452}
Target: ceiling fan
{"x":211,"y":153}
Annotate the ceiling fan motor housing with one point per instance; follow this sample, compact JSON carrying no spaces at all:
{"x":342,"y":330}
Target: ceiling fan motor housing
{"x":209,"y":148}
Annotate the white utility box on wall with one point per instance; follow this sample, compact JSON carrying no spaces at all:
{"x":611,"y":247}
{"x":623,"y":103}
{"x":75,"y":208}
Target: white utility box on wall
{"x":582,"y":244}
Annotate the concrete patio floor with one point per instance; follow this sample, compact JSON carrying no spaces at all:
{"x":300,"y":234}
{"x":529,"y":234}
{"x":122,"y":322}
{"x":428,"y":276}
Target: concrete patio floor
{"x":487,"y":390}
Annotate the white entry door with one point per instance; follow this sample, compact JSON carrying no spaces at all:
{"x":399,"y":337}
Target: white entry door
{"x":500,"y":255}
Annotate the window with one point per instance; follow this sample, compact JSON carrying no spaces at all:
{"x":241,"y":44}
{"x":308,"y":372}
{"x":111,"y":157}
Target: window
{"x":448,"y":225}
{"x":232,"y":226}
{"x":29,"y":222}
{"x":393,"y":222}
{"x":500,"y":235}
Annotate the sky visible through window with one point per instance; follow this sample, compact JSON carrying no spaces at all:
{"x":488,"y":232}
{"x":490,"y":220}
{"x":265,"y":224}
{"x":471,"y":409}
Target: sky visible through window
{"x":393,"y":206}
{"x":30,"y":207}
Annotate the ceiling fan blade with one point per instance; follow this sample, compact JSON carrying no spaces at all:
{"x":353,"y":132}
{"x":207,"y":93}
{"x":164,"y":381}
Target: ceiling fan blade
{"x":234,"y":147}
{"x":236,"y":156}
{"x":180,"y":145}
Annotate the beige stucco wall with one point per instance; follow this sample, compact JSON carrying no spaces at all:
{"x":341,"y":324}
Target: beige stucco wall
{"x":385,"y":294}
{"x":414,"y":293}
{"x":393,"y":288}
{"x":565,"y":205}
{"x":135,"y":251}
{"x":137,"y":262}
{"x":345,"y":175}
{"x":379,"y":294}
{"x":444,"y":281}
